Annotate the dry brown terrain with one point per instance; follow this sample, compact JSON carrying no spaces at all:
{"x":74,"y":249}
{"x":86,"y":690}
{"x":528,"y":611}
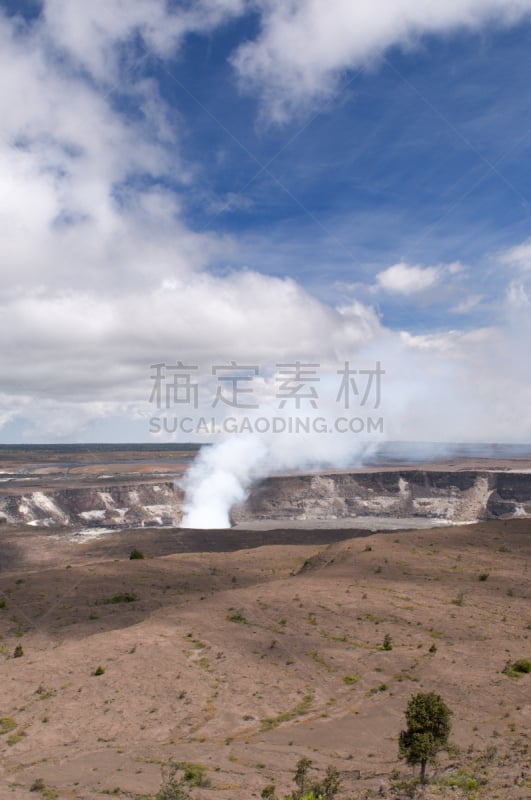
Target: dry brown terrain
{"x":26,"y":470}
{"x":235,"y":650}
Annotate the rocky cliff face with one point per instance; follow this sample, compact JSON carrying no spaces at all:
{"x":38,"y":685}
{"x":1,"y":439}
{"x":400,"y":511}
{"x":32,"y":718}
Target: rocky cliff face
{"x":457,"y":496}
{"x":144,"y":504}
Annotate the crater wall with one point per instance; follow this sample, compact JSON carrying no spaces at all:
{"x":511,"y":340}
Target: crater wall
{"x":141,"y":504}
{"x":458,"y":496}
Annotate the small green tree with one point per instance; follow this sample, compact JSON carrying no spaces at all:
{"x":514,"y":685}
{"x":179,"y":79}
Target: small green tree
{"x":427,"y":732}
{"x":331,"y":784}
{"x":301,"y":778}
{"x":308,"y":789}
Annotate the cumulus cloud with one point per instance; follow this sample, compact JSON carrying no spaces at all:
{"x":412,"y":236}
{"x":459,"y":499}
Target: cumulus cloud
{"x":101,"y":273}
{"x":66,"y":158}
{"x":411,"y":279}
{"x":100,"y":343}
{"x":407,"y":279}
{"x":305,"y":45}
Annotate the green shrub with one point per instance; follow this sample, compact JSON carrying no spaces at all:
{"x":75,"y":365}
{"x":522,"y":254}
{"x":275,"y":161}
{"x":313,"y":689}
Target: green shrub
{"x":387,"y":642}
{"x":195,"y":774}
{"x":299,"y":710}
{"x":18,"y":651}
{"x":518,"y":668}
{"x":350,"y":679}
{"x":99,"y":671}
{"x":308,"y":789}
{"x":461,"y":779}
{"x":176,"y":787}
{"x":136,"y":554}
{"x":125,"y":597}
{"x":238,"y":617}
{"x":47,"y":792}
{"x":7,"y":724}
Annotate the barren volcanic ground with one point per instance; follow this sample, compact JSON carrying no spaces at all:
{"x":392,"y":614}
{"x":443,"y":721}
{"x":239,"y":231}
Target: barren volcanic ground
{"x":244,"y":651}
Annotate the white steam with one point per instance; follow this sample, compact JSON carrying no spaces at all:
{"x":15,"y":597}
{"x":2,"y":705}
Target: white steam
{"x":453,"y":387}
{"x":222,"y":475}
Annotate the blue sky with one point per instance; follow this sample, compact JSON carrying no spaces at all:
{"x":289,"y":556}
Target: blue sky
{"x":420,"y":158}
{"x":230,"y":178}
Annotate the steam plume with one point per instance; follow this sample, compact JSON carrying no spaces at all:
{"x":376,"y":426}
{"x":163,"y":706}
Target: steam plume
{"x":222,"y":475}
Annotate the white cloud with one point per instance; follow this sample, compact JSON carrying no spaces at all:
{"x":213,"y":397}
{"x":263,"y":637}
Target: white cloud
{"x":305,"y":45}
{"x":96,"y":286}
{"x":406,"y":279}
{"x":450,"y":342}
{"x":100,"y":278}
{"x":77,"y":341}
{"x":518,"y":293}
{"x":519,"y":256}
{"x":65,"y":161}
{"x":467,"y":304}
{"x":517,"y":296}
{"x":99,"y":35}
{"x":468,"y":386}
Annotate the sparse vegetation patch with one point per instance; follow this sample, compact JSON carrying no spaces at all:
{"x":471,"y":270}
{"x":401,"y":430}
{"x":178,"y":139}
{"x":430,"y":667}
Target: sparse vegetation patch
{"x":517,"y":669}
